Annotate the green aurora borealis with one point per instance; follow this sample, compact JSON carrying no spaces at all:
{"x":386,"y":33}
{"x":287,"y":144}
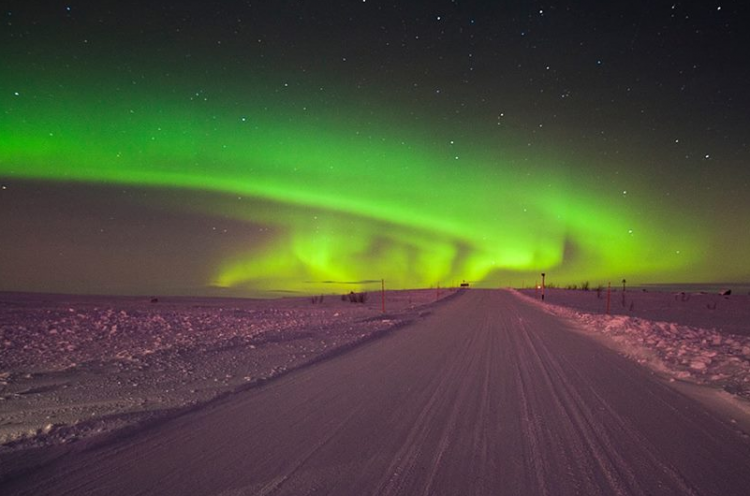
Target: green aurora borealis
{"x":417,"y":215}
{"x":351,"y":188}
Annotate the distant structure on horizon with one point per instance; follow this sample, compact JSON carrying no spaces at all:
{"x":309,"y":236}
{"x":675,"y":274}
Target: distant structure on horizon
{"x":465,"y":285}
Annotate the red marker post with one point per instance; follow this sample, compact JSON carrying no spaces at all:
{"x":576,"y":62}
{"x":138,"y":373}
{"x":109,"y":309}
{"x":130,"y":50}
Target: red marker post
{"x":382,"y":282}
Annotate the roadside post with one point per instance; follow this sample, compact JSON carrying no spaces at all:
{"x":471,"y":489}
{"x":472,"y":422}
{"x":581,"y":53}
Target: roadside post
{"x":609,"y":290}
{"x":382,"y":294}
{"x":543,"y":274}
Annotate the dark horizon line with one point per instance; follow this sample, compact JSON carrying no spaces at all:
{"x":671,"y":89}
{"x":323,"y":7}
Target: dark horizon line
{"x":249,"y":294}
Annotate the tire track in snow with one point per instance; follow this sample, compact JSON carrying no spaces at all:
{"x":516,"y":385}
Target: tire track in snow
{"x":405,"y":460}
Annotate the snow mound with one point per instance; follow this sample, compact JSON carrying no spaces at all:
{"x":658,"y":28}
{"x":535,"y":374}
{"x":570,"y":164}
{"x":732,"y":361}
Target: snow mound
{"x":73,"y":367}
{"x":704,"y":356}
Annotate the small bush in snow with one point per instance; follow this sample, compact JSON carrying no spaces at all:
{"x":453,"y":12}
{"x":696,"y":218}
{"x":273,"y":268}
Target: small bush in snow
{"x":356,"y":297}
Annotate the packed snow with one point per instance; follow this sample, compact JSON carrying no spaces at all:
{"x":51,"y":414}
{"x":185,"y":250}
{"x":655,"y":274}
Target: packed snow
{"x":73,"y":366}
{"x":706,"y":341}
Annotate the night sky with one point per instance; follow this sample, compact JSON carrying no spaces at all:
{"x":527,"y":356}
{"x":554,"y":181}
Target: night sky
{"x":274,"y":147}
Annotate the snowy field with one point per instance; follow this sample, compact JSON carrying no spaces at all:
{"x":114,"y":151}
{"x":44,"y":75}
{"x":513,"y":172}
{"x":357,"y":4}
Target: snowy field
{"x":694,"y":337}
{"x":74,"y":366}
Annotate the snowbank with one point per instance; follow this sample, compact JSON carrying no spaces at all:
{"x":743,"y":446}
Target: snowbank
{"x":75,"y":366}
{"x":705,"y":356}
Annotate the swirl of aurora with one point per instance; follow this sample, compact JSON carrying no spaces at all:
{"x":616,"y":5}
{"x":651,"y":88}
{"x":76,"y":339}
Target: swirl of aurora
{"x":349,"y":198}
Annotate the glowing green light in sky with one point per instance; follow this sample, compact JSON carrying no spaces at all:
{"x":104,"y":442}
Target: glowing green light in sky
{"x":351,"y":199}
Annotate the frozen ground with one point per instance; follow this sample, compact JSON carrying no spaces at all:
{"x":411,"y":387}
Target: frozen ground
{"x":73,"y":366}
{"x":727,"y":314}
{"x":694,"y":337}
{"x":489,"y":394}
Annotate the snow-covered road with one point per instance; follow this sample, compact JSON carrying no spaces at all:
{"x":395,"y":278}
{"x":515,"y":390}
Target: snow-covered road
{"x":488,"y":395}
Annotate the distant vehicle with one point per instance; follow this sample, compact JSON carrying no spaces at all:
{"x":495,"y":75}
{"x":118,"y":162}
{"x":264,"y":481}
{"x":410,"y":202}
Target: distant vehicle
{"x":465,"y":285}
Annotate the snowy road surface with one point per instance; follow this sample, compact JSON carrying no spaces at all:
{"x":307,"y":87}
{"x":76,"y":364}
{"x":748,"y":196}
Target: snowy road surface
{"x":488,"y":395}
